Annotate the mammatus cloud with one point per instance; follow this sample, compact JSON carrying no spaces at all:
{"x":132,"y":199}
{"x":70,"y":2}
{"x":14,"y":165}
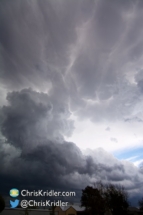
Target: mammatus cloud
{"x":63,"y":57}
{"x":92,"y":59}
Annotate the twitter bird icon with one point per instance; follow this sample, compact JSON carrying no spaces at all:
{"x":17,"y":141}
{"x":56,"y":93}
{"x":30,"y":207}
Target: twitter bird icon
{"x":14,"y":204}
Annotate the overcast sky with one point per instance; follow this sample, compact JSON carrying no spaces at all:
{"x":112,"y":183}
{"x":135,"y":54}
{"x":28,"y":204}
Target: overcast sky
{"x":71,"y":94}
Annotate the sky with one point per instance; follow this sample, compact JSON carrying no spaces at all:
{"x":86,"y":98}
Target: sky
{"x":71,"y":94}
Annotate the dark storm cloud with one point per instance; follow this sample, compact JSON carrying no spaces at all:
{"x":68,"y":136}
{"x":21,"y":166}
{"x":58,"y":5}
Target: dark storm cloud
{"x":32,"y":130}
{"x":34,"y":116}
{"x":35,"y":125}
{"x":83,"y":56}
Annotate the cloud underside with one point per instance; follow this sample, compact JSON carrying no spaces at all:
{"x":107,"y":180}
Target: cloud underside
{"x":63,"y":57}
{"x":34,"y":152}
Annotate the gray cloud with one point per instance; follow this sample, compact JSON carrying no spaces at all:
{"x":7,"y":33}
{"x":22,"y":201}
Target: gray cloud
{"x":35,"y":125}
{"x":78,"y":58}
{"x":113,"y":139}
{"x":59,"y":57}
{"x":107,"y":129}
{"x":33,"y":143}
{"x":136,"y":119}
{"x":34,"y":114}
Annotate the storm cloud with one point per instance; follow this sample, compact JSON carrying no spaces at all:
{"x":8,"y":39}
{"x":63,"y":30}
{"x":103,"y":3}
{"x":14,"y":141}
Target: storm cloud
{"x":62,"y":58}
{"x":32,"y":127}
